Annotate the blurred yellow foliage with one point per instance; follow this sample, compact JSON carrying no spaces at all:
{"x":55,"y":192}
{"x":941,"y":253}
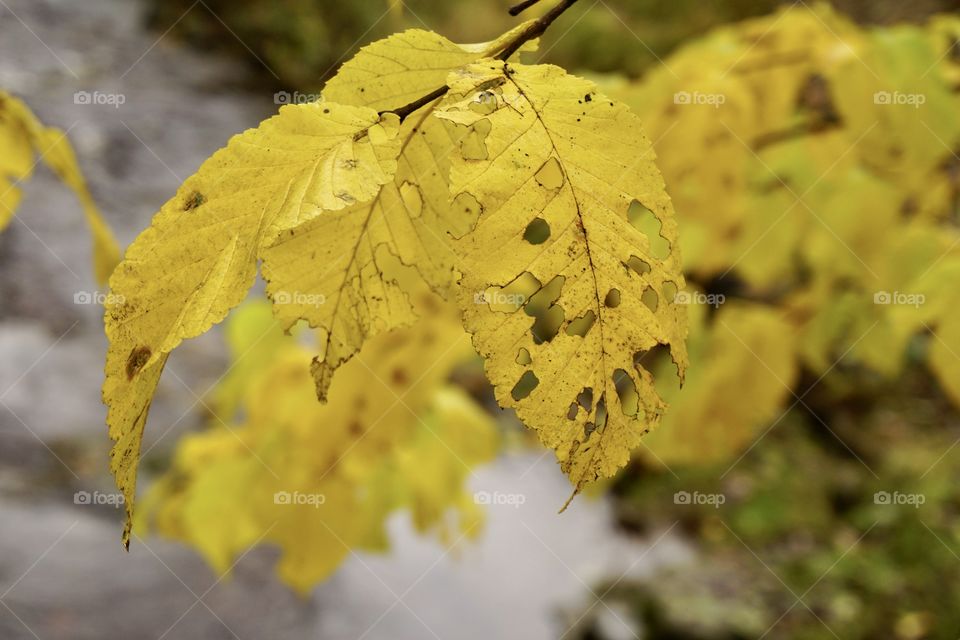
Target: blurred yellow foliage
{"x":320,"y":480}
{"x":24,"y":143}
{"x":813,"y":165}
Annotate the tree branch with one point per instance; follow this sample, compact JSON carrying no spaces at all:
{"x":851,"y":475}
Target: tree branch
{"x":534,"y":30}
{"x":521,"y":7}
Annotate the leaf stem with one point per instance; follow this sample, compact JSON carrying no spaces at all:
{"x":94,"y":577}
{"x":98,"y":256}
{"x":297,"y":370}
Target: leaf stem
{"x":534,"y":30}
{"x":519,"y":8}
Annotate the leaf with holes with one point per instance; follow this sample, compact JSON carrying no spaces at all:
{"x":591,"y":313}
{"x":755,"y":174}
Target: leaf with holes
{"x":410,"y":218}
{"x":571,"y":275}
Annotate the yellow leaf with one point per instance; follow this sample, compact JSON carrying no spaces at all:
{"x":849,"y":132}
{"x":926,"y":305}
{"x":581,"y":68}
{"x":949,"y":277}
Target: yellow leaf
{"x":389,"y":74}
{"x":22,"y":137}
{"x":198,"y":258}
{"x":410,"y":218}
{"x":561,"y":292}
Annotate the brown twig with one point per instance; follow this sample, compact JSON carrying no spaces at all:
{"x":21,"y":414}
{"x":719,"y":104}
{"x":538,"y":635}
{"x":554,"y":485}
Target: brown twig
{"x":534,"y":30}
{"x":521,"y":7}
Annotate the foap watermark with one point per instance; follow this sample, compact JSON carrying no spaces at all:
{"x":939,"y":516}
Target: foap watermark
{"x":899,"y":98}
{"x":114,"y":100}
{"x":98,"y":297}
{"x":299,"y":499}
{"x":697,"y":297}
{"x":299,"y":297}
{"x":97,"y":498}
{"x":295,"y":97}
{"x":497,"y":498}
{"x":499,"y":297}
{"x":896,"y":498}
{"x":714,"y":100}
{"x":899,"y":298}
{"x":696,"y":498}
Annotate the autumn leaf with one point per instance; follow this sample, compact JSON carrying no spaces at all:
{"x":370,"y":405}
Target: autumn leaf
{"x":198,"y":258}
{"x":410,"y":218}
{"x":22,"y":138}
{"x":563,"y":295}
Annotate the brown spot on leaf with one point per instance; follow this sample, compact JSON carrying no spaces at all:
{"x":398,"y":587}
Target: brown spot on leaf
{"x":399,"y":377}
{"x":136,"y":360}
{"x":194,"y":200}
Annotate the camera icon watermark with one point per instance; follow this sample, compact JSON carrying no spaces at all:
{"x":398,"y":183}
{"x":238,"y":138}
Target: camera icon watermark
{"x":896,"y":498}
{"x":697,"y":498}
{"x":98,"y":498}
{"x":295,"y":97}
{"x":115,"y":100}
{"x":897,"y":98}
{"x":299,"y":499}
{"x":499,"y":298}
{"x":496,"y":498}
{"x":915,"y":300}
{"x":299,"y":298}
{"x":696,"y":297}
{"x":697,"y":98}
{"x":97,"y":297}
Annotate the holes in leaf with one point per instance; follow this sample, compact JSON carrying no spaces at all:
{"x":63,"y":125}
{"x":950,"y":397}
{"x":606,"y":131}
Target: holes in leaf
{"x":651,"y":358}
{"x":670,"y":291}
{"x":525,"y":385}
{"x":474,"y":144}
{"x":485,"y":103}
{"x":550,"y":175}
{"x":585,"y":399}
{"x":523,"y":357}
{"x":547,"y":325}
{"x":639,"y":266}
{"x":601,"y":418}
{"x":626,"y":392}
{"x":510,"y":298}
{"x":572,"y":411}
{"x":650,"y":298}
{"x":582,"y":325}
{"x":649,"y":224}
{"x":613,"y":299}
{"x":548,"y":315}
{"x":537,"y":232}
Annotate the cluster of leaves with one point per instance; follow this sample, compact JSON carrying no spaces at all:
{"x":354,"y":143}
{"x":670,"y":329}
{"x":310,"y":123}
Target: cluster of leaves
{"x":809,"y":189}
{"x":510,"y":188}
{"x":814,"y":165}
{"x":319,"y":480}
{"x":24,"y":143}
